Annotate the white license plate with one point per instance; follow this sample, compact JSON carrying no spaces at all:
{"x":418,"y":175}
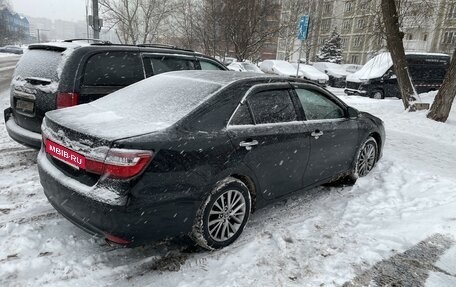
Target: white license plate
{"x":25,"y":106}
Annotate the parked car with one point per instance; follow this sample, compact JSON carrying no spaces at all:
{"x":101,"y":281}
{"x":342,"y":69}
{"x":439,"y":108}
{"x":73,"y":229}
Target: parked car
{"x":62,"y":74}
{"x":244,"y":67}
{"x":352,"y":68}
{"x":12,"y":50}
{"x":159,"y":159}
{"x":279,"y":67}
{"x":336,"y":73}
{"x":312,"y":74}
{"x":377,"y":79}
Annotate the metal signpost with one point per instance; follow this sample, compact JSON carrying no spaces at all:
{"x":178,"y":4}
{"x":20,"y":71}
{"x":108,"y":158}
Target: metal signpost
{"x":302,"y":35}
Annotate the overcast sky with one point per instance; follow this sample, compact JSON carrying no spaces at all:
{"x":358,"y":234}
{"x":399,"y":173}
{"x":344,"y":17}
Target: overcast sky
{"x":71,"y":10}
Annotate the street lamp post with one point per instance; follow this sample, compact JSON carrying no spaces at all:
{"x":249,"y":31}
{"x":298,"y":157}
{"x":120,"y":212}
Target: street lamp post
{"x":38,"y":34}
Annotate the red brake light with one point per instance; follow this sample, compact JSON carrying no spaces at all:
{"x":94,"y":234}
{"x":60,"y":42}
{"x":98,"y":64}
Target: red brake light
{"x":120,"y":163}
{"x":67,"y":100}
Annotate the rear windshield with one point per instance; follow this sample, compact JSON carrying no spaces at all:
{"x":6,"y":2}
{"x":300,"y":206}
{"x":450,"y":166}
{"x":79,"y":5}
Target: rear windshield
{"x":162,"y":99}
{"x":39,"y":64}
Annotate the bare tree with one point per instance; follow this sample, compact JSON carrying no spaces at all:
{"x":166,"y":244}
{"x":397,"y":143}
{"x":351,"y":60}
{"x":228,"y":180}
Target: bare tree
{"x":186,"y":25}
{"x":247,"y":25}
{"x":441,"y":106}
{"x":136,"y":21}
{"x":396,"y":47}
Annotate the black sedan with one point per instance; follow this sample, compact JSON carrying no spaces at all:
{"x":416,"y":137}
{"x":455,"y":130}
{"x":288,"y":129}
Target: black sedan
{"x":195,"y":152}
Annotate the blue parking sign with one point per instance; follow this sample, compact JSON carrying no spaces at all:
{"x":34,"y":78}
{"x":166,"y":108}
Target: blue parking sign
{"x":303,"y":27}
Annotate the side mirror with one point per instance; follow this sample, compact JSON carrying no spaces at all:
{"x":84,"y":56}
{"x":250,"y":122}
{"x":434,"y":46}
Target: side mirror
{"x":352,"y":112}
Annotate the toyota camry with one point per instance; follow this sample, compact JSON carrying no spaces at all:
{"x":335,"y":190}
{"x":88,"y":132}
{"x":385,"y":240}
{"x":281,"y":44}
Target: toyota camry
{"x":196,"y":152}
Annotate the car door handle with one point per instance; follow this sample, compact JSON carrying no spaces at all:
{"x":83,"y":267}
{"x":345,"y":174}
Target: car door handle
{"x":248,"y":145}
{"x":316,"y":134}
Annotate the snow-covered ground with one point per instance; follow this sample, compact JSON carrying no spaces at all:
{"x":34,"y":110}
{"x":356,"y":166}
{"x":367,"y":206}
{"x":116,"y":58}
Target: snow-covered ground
{"x":323,"y":237}
{"x":4,"y":55}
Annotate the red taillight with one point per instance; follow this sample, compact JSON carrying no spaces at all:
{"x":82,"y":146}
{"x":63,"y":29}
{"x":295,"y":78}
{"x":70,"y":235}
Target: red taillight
{"x":120,"y":163}
{"x":65,"y":100}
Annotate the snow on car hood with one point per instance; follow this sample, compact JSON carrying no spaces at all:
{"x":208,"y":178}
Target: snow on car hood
{"x":311,"y":73}
{"x":336,"y":70}
{"x":374,"y":68}
{"x":279,"y":67}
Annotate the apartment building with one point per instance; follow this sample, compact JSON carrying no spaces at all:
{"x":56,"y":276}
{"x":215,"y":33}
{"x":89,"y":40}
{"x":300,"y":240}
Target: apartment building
{"x":444,"y":36}
{"x":427,"y":26}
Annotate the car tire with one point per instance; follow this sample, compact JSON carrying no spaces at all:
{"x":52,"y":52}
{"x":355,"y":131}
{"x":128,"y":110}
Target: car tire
{"x":218,"y":224}
{"x":363,"y":163}
{"x":377,"y":94}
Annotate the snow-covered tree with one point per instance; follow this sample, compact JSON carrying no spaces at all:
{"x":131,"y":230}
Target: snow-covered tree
{"x":331,"y":50}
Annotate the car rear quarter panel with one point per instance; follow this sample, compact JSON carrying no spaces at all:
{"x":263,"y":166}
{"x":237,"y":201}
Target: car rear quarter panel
{"x":185,"y":167}
{"x":370,"y":125}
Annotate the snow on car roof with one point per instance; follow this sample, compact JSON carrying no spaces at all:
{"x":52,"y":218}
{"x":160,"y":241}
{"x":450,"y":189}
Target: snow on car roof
{"x":374,"y":68}
{"x":61,"y":45}
{"x":426,"y":54}
{"x":222,"y":78}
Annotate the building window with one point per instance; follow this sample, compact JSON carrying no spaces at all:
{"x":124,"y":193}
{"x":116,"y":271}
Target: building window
{"x":452,"y":11}
{"x":326,"y":24}
{"x":348,"y":6}
{"x":449,"y":38}
{"x":346,"y":25}
{"x":354,"y":59}
{"x":344,"y":41}
{"x":425,"y":36}
{"x":357,"y":41}
{"x":360,"y":24}
{"x":364,"y":5}
{"x":327,"y":9}
{"x":409,"y":37}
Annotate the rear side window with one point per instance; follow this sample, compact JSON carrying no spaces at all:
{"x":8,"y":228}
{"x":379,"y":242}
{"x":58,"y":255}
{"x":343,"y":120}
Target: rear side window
{"x":40,"y":64}
{"x":274,"y":106}
{"x":113,"y":69}
{"x":318,"y":107}
{"x":167,"y":64}
{"x":208,"y":66}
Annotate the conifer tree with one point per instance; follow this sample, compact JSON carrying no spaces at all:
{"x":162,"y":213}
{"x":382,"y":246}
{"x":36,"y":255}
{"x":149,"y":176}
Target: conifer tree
{"x":331,"y":50}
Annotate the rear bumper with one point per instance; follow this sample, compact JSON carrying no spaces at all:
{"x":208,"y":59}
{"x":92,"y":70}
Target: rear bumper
{"x":19,"y":134}
{"x":121,"y":216}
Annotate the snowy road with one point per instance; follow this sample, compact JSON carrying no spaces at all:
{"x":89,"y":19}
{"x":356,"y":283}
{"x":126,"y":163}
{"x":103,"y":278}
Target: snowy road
{"x":324,"y":237}
{"x":7,"y":65}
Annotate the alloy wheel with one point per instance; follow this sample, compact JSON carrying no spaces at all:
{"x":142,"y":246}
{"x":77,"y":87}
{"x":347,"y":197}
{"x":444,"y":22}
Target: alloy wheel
{"x":366,"y":160}
{"x":378,"y":95}
{"x":226,"y":215}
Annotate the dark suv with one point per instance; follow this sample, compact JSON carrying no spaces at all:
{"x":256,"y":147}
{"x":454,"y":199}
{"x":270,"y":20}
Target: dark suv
{"x":63,"y":74}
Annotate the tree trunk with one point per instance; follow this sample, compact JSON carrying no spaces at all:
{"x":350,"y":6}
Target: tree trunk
{"x":396,"y":48}
{"x":441,"y":106}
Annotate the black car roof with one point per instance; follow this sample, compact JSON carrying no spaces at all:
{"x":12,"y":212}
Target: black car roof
{"x":69,"y":44}
{"x":224,"y":78}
